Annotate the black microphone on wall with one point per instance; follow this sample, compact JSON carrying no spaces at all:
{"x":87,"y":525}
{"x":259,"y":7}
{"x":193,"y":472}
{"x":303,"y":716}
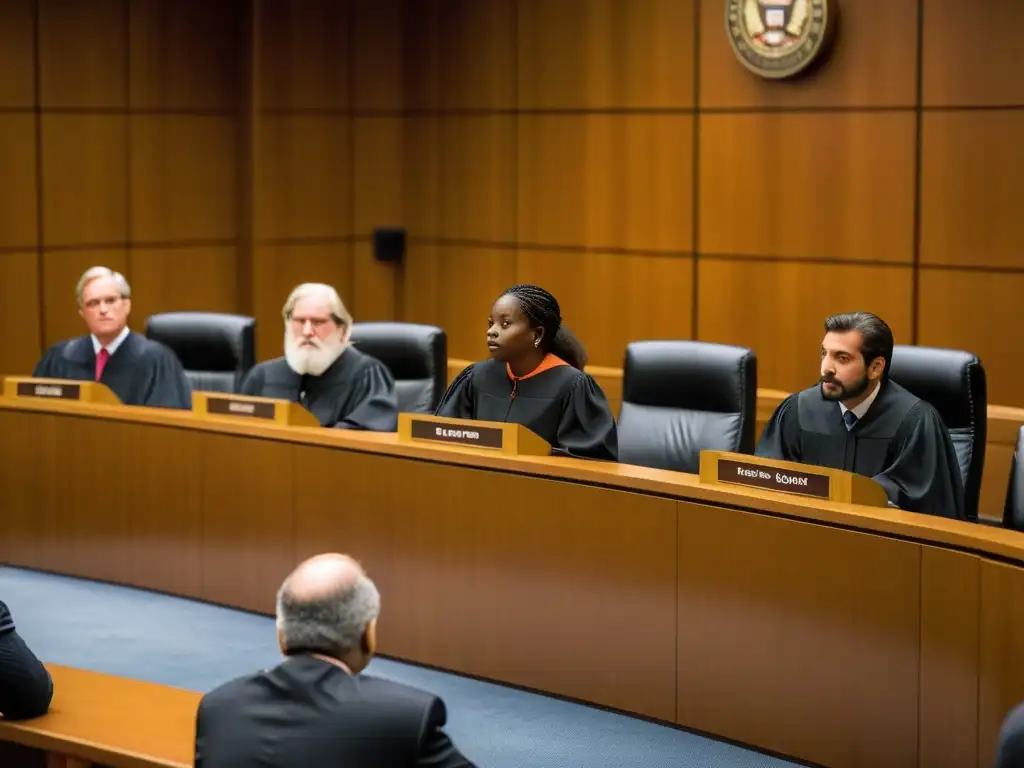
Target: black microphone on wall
{"x":389,"y":244}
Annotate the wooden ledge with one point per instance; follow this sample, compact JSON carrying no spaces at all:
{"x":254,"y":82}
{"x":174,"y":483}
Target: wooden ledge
{"x":111,"y":721}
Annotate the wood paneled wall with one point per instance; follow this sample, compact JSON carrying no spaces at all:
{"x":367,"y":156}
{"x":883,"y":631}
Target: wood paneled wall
{"x":118,"y":146}
{"x":612,"y":150}
{"x":615,"y":152}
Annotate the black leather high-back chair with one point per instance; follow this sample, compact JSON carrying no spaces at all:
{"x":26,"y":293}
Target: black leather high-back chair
{"x":682,"y":397}
{"x":1013,"y":511}
{"x":416,"y":355}
{"x":953,"y":382}
{"x":215,"y":349}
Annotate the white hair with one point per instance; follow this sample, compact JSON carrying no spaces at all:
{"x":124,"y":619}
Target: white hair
{"x":339,"y":313}
{"x":332,"y":624}
{"x":99,"y":273}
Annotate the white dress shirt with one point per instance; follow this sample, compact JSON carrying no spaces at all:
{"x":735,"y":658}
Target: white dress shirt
{"x":861,"y":409}
{"x":112,"y":346}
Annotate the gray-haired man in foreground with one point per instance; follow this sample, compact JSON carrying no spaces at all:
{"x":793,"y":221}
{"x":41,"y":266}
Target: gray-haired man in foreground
{"x":315,"y":708}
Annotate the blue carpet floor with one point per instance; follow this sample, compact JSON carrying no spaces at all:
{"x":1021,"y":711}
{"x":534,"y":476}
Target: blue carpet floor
{"x":196,"y":646}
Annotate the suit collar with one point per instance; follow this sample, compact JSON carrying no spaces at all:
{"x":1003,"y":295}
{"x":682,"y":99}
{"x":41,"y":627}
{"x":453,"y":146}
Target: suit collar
{"x":81,"y":350}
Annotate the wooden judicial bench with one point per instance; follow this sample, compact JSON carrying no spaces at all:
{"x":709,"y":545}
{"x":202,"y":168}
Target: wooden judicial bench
{"x":803,"y":618}
{"x":103,"y":720}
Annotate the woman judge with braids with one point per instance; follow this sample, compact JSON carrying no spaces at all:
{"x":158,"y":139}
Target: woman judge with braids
{"x":535,"y":378}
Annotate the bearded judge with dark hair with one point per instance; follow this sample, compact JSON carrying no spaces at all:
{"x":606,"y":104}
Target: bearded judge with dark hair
{"x":858,"y":420}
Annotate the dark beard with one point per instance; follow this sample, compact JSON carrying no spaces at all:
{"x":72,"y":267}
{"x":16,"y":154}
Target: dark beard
{"x":845,"y":393}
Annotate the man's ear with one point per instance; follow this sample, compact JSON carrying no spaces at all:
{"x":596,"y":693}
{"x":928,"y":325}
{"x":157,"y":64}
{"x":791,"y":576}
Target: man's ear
{"x":876,"y":368}
{"x":280,"y":642}
{"x":127,"y":307}
{"x":370,"y":638}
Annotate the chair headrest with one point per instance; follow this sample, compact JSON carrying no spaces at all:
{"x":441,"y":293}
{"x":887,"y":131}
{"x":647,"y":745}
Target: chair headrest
{"x":409,"y":350}
{"x":206,"y":341}
{"x":704,"y":376}
{"x":951,"y":380}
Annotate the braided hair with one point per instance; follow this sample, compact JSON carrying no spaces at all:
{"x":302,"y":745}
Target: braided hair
{"x":542,"y":311}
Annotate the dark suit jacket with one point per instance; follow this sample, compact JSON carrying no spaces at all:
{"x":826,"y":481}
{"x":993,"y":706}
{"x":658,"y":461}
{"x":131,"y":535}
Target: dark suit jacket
{"x":309,"y":713}
{"x":1010,"y":747}
{"x":25,"y":686}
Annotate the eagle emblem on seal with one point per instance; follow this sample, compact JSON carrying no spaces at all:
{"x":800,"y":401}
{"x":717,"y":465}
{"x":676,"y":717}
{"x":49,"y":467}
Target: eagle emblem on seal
{"x":778,"y":38}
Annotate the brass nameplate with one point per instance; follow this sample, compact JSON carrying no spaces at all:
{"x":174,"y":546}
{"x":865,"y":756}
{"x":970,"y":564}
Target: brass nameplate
{"x":59,"y":391}
{"x":478,"y":437}
{"x":774,"y":479}
{"x":253,"y":409}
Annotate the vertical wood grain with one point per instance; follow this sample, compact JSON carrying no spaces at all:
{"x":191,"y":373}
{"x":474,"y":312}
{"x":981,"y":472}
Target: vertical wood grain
{"x":301,"y":64}
{"x":948,"y":734}
{"x":19,"y":296}
{"x":654,"y":292}
{"x":84,"y":179}
{"x":304,"y":177}
{"x":82,"y":58}
{"x":778,"y":309}
{"x":616,"y":181}
{"x":433,"y":559}
{"x":797,"y":185}
{"x":17,"y":52}
{"x":1001,"y":673}
{"x":979,"y":312}
{"x":606,"y":54}
{"x":247,"y":538}
{"x":184,"y":56}
{"x":183,"y":176}
{"x":969,"y":189}
{"x":18,"y":182}
{"x":991,"y":75}
{"x":779,"y":611}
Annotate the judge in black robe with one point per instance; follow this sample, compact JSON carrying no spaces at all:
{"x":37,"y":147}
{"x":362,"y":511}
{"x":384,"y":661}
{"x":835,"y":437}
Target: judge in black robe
{"x":535,"y":378}
{"x":337,"y":383}
{"x":139,"y":371}
{"x":900,"y":442}
{"x":355,"y":392}
{"x":563,"y":405}
{"x":888,"y":434}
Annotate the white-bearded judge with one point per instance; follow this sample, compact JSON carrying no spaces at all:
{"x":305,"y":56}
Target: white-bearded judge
{"x":337,"y":383}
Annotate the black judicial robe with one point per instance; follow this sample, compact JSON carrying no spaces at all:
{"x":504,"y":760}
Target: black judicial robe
{"x":140,"y":372}
{"x":356,"y":392}
{"x":901,"y":443}
{"x":563,"y":405}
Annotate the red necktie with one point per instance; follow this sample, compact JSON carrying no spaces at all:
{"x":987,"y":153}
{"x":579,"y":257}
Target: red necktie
{"x":101,"y":362}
